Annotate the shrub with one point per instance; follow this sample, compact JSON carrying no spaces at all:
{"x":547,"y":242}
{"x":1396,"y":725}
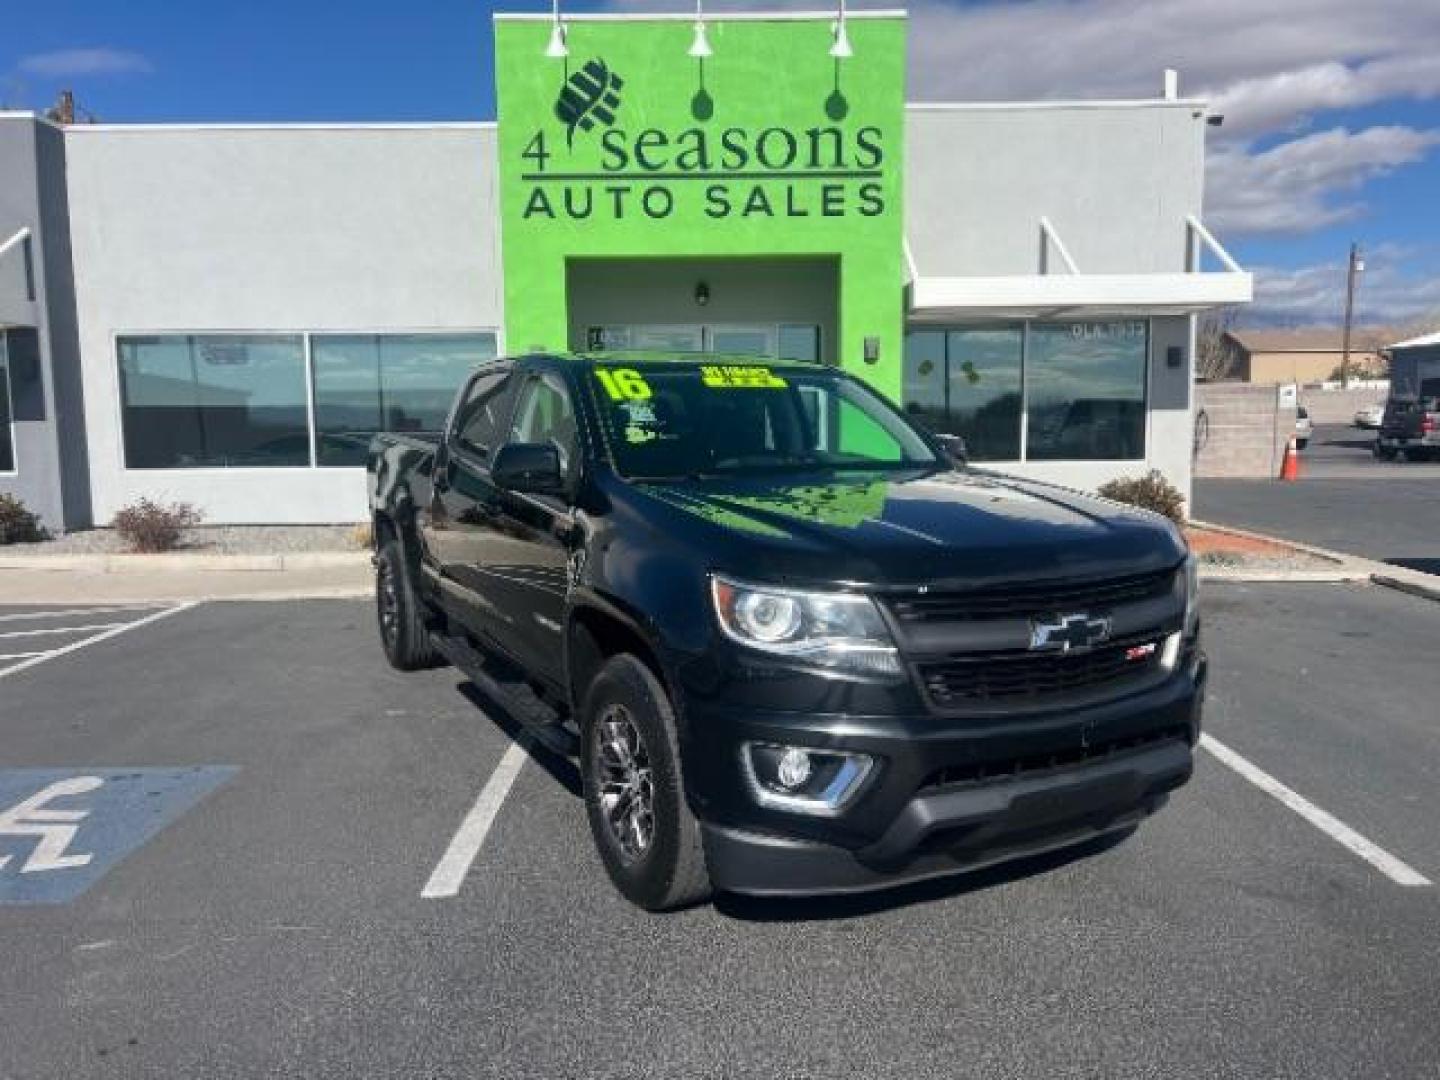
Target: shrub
{"x":1149,"y":492}
{"x":17,"y":524}
{"x":148,"y":526}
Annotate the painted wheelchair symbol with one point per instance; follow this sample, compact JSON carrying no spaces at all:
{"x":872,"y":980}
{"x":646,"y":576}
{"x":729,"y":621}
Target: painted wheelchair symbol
{"x":56,"y":829}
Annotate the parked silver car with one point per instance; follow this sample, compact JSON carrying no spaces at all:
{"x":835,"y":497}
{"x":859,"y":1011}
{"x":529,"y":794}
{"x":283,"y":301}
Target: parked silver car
{"x":1303,"y":428}
{"x":1370,"y":416}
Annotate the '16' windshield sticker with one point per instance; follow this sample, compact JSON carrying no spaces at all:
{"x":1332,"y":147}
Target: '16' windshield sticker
{"x":623,"y":384}
{"x":740,"y":377}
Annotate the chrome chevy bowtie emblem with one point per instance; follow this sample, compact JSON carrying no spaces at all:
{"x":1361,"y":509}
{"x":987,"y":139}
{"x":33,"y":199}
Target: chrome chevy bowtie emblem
{"x":1069,"y":632}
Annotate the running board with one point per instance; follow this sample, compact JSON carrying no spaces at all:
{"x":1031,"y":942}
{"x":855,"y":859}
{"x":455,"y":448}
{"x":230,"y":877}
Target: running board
{"x":540,"y":721}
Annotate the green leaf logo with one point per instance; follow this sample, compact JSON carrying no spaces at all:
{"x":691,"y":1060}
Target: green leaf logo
{"x":590,"y":96}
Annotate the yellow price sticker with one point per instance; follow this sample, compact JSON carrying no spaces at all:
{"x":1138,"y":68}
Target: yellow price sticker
{"x":740,"y":377}
{"x":623,"y":384}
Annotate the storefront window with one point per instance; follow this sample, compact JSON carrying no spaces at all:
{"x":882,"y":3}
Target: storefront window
{"x":1085,"y":384}
{"x":365,"y":383}
{"x":923,"y":393}
{"x":1082,"y":382}
{"x":966,"y":382}
{"x":984,"y":391}
{"x":232,"y":400}
{"x":7,"y":443}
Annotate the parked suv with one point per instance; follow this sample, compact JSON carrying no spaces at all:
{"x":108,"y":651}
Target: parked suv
{"x":1410,"y":428}
{"x":793,"y":644}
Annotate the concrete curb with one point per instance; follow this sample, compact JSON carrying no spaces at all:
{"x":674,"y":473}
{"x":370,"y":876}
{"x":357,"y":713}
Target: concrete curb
{"x":1332,"y":577}
{"x":184,"y":563}
{"x":1352,"y":567}
{"x":1408,"y":584}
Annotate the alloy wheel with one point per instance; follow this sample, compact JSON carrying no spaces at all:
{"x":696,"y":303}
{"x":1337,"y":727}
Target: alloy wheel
{"x":625,"y":781}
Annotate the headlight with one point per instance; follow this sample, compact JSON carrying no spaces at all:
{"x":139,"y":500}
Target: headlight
{"x":839,"y":631}
{"x":1192,"y":595}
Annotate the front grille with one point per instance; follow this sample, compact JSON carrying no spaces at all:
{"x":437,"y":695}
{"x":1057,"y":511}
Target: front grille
{"x":1049,"y":760}
{"x":1032,"y":599}
{"x":1013,"y":679}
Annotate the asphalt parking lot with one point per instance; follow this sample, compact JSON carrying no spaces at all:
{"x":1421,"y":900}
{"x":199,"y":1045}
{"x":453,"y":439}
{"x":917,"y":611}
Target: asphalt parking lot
{"x":264,"y":802}
{"x":1345,"y":500}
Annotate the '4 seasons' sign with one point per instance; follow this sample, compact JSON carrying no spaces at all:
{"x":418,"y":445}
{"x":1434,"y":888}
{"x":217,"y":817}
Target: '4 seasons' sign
{"x":589,"y":165}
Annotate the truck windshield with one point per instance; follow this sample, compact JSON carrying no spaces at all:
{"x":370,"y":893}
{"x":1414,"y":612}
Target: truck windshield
{"x":672,"y":421}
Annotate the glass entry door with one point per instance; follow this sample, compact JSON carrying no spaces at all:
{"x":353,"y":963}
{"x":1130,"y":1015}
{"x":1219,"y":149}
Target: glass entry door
{"x":793,"y":341}
{"x":741,"y":340}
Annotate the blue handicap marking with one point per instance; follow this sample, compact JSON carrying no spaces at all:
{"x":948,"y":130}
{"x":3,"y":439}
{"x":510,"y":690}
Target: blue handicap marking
{"x":61,"y":830}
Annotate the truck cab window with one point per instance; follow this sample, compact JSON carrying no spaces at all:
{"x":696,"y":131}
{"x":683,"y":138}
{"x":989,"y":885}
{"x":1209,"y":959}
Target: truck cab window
{"x":545,"y":415}
{"x":480,"y":421}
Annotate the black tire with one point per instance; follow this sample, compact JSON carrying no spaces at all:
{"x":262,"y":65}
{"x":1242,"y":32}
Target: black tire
{"x":667,"y":871}
{"x":1384,"y":453}
{"x":1300,"y":444}
{"x":401,"y":614}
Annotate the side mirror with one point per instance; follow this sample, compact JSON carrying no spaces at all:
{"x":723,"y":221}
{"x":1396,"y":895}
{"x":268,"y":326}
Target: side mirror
{"x":533,"y":468}
{"x":954,"y":445}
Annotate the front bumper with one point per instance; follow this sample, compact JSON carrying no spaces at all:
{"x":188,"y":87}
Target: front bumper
{"x":904,"y":826}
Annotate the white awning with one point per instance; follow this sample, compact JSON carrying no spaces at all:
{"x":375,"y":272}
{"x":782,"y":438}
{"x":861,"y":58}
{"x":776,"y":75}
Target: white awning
{"x":17,"y":300}
{"x":1073,"y":293}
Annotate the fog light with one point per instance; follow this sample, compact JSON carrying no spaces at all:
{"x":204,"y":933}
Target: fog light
{"x":805,"y":779}
{"x":794,"y":768}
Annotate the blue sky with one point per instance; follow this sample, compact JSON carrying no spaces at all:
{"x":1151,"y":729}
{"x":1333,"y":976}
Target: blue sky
{"x":1332,"y":107}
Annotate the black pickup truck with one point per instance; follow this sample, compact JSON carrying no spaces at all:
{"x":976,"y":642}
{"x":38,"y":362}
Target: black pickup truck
{"x":795,"y":644}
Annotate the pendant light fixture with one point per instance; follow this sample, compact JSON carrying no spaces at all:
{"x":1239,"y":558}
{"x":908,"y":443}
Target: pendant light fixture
{"x":557,"y":47}
{"x":700,"y":47}
{"x":840,"y":49}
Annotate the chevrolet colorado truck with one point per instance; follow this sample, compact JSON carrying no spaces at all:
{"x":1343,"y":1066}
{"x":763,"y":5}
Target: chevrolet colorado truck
{"x":795,"y":643}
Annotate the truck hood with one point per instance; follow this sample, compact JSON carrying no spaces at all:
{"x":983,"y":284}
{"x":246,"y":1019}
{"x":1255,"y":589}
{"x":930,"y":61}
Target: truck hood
{"x":962,"y":528}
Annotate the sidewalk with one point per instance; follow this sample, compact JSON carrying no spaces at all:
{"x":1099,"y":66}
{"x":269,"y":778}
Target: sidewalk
{"x":71,"y":579}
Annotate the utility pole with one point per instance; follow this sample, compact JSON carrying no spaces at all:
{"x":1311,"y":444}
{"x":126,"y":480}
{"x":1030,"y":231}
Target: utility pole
{"x":1357,"y":264}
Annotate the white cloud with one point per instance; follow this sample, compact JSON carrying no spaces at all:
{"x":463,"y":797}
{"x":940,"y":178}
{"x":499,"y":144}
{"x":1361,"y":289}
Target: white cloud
{"x":1293,"y":186}
{"x":70,"y":63}
{"x":1267,"y":64}
{"x":1269,"y":68}
{"x":1388,"y":294}
{"x":1274,"y":102}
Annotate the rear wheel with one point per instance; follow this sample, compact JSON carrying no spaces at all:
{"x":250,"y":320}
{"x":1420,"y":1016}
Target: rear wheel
{"x":1384,"y":453}
{"x":400,"y":612}
{"x":647,"y":837}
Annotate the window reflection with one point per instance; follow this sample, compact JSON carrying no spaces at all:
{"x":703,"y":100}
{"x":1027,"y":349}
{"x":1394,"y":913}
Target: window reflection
{"x":1082,"y":382}
{"x":984,"y":388}
{"x":1086,"y":384}
{"x":367,"y":383}
{"x":966,"y":382}
{"x":7,"y":445}
{"x":214,"y":401}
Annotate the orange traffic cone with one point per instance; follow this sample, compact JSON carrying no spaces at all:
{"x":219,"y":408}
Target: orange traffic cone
{"x":1290,"y":465}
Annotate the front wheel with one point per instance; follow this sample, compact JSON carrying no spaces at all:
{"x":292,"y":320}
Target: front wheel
{"x":647,"y":837}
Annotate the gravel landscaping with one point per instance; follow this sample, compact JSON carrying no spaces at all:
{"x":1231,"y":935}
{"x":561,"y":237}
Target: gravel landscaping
{"x":214,"y":540}
{"x":1229,"y":551}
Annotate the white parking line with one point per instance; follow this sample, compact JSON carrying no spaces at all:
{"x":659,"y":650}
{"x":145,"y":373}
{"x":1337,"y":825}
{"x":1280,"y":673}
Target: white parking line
{"x":60,"y":613}
{"x":115,"y":631}
{"x":450,"y":871}
{"x":60,"y":630}
{"x":1396,"y":870}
